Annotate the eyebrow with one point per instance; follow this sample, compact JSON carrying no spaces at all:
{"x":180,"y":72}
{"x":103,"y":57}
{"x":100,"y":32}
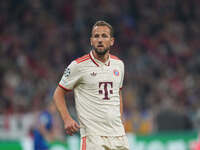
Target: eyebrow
{"x":103,"y":34}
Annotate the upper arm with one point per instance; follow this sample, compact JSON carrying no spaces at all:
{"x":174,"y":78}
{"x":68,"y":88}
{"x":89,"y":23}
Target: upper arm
{"x":120,"y":96}
{"x":59,"y":92}
{"x":122,"y":75}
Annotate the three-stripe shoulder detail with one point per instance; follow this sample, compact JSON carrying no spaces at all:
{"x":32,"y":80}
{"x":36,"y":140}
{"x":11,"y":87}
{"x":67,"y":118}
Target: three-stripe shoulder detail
{"x":83,"y":58}
{"x":114,"y":57}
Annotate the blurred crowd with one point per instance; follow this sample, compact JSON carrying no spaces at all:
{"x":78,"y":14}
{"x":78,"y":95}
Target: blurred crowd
{"x":159,"y":42}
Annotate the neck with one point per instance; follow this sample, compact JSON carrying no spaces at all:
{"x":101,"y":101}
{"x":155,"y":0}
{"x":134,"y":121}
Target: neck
{"x":102,"y":58}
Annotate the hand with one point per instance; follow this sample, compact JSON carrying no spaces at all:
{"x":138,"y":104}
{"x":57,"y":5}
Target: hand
{"x":71,"y":126}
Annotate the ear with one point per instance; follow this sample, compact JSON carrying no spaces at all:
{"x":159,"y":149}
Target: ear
{"x":112,"y":41}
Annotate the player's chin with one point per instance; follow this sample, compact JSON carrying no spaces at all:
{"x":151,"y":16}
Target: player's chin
{"x":101,"y":51}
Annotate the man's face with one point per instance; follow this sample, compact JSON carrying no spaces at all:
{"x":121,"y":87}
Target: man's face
{"x":101,"y":40}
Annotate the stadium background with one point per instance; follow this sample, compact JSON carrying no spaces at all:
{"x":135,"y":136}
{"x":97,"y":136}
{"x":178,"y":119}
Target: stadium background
{"x":158,"y":41}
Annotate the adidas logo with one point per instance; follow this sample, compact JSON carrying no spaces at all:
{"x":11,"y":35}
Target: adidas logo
{"x":93,"y":74}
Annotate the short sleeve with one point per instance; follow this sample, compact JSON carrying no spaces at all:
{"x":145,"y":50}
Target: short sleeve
{"x":70,"y":77}
{"x":122,"y":75}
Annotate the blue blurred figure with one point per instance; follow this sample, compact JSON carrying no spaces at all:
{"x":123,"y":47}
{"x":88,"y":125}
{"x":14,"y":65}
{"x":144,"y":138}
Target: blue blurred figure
{"x":44,"y":130}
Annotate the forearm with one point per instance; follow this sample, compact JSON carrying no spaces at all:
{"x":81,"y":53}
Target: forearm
{"x":59,"y":99}
{"x":70,"y":125}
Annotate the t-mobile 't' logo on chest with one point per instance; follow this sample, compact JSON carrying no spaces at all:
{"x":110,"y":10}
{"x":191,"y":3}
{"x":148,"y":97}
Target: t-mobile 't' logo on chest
{"x":107,"y":89}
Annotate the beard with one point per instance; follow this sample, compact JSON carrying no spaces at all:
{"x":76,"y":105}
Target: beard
{"x":101,"y":52}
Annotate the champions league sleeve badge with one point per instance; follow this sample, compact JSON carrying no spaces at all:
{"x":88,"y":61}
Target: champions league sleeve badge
{"x":67,"y":72}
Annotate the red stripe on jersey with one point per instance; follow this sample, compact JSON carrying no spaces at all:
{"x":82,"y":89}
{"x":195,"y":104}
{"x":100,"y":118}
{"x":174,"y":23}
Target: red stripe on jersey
{"x":64,"y":88}
{"x":83,"y":57}
{"x":78,"y":60}
{"x":93,"y":60}
{"x":84,"y":143}
{"x":82,"y":60}
{"x":114,"y":57}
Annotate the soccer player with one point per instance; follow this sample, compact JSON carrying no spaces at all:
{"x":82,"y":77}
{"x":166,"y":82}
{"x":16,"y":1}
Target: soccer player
{"x":44,"y":130}
{"x":96,"y":79}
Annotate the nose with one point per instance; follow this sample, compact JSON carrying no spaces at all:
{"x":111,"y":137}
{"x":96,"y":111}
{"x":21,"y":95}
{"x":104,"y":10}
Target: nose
{"x":100,"y":39}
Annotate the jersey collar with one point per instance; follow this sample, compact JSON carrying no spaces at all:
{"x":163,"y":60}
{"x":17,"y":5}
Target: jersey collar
{"x":98,"y":62}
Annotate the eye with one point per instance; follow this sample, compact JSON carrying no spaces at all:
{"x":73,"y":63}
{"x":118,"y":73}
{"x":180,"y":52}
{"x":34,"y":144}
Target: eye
{"x":104,"y":35}
{"x":96,"y":35}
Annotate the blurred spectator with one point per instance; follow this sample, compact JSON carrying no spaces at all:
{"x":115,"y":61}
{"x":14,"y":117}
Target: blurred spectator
{"x":45,"y":131}
{"x":170,"y":118}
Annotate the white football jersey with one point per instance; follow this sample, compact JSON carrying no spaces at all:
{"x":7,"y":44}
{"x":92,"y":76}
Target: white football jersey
{"x":96,"y":87}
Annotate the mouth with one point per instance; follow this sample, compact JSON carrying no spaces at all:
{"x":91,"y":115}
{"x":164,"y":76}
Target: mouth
{"x":100,"y":46}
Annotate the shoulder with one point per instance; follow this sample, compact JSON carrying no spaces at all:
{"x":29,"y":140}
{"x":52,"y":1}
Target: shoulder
{"x":82,"y":58}
{"x":117,"y":62}
{"x":45,"y":113}
{"x":116,"y":59}
{"x":76,"y":63}
{"x":44,"y":116}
